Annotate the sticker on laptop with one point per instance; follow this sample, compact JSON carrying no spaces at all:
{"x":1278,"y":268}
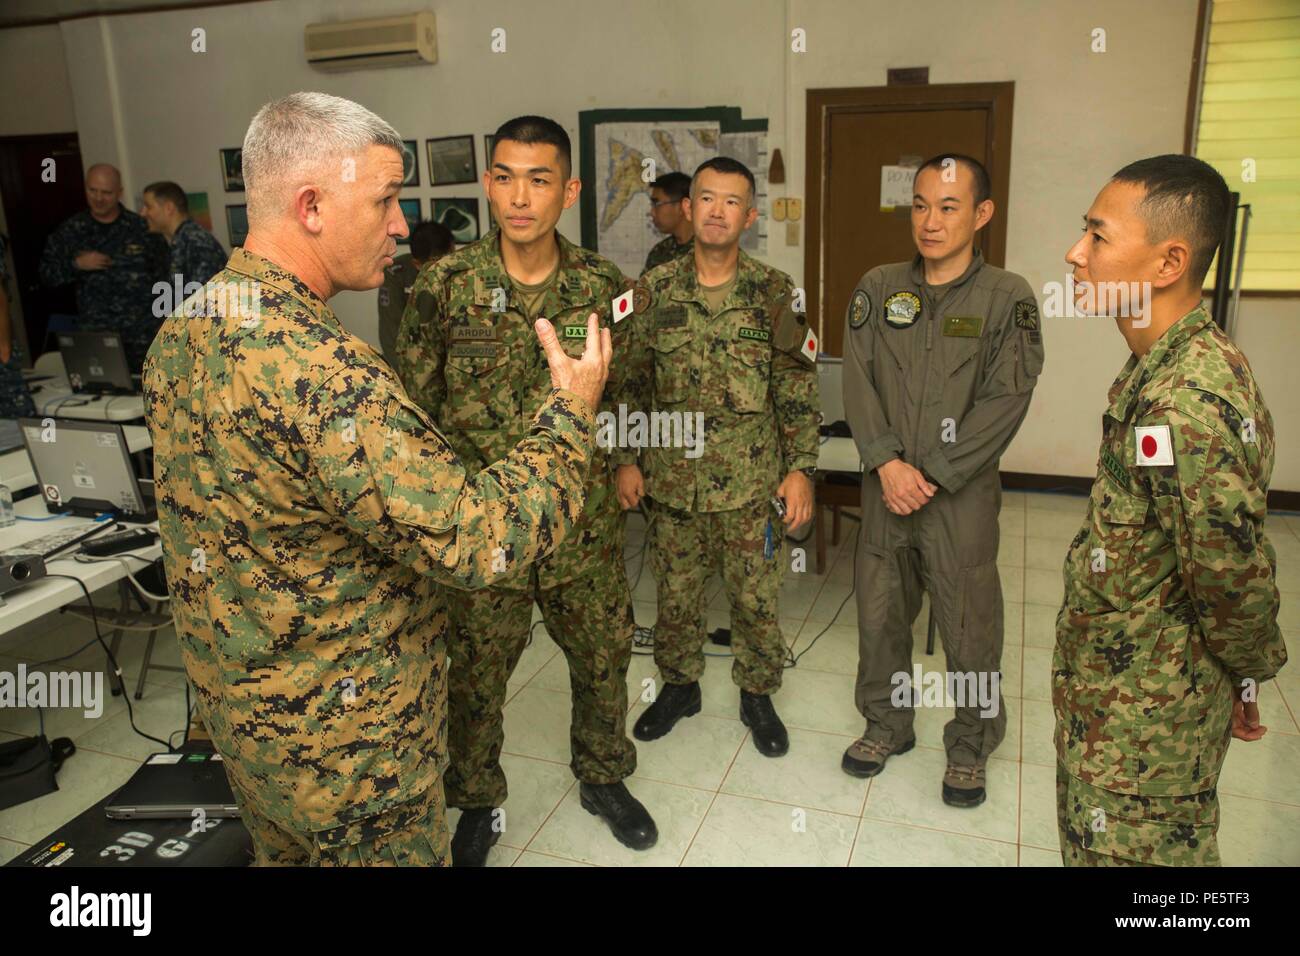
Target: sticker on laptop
{"x":165,"y":758}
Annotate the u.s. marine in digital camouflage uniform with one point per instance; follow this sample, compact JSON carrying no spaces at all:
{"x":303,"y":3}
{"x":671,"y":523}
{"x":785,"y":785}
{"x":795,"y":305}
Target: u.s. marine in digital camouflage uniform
{"x":1170,"y":600}
{"x":745,"y":369}
{"x":309,"y":511}
{"x":467,"y":354}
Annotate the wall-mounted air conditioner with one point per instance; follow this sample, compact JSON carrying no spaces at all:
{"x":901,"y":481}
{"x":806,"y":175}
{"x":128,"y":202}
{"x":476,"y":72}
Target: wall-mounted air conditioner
{"x":367,"y":44}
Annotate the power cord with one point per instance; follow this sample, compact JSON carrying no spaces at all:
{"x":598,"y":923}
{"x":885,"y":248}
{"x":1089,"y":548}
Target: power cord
{"x":117,"y":670}
{"x":121,"y":559}
{"x":792,"y":659}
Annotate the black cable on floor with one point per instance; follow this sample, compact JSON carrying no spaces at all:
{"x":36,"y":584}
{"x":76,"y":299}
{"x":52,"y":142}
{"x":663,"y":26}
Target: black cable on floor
{"x":117,"y":670}
{"x":792,"y":659}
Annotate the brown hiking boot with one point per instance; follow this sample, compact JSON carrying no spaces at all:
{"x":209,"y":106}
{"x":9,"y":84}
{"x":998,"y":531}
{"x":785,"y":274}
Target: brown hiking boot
{"x":866,"y":756}
{"x":963,"y":786}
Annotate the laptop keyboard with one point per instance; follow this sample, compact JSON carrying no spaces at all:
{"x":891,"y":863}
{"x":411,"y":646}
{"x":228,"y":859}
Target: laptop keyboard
{"x":49,"y":544}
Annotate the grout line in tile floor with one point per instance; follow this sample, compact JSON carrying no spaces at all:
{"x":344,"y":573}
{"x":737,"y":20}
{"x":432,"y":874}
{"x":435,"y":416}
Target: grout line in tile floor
{"x":542,"y":825}
{"x":709,"y":809}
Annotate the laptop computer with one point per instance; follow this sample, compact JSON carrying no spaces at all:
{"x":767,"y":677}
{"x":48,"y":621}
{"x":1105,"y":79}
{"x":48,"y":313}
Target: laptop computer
{"x":173,"y":786}
{"x":96,"y":363}
{"x":85,"y":468}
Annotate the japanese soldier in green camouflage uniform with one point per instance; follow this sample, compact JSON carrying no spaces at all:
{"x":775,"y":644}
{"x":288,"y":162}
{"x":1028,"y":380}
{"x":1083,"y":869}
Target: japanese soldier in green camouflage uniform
{"x":1169,"y":623}
{"x":941,"y":357}
{"x":724,"y":344}
{"x":467,"y":356}
{"x":113,"y":261}
{"x":669,"y":199}
{"x":310,"y":511}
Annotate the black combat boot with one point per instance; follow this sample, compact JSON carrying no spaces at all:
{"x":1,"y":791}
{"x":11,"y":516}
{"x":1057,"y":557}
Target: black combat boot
{"x":674,"y":702}
{"x":758,"y":714}
{"x":623,"y":812}
{"x":475,"y":835}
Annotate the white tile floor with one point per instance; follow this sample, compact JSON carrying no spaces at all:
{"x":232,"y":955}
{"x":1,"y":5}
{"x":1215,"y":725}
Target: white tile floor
{"x":715,"y":799}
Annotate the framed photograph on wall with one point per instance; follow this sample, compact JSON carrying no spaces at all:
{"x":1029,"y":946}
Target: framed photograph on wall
{"x":451,"y":160}
{"x":237,"y":224}
{"x":199,"y":212}
{"x":232,"y":169}
{"x":459,"y":215}
{"x":488,"y":140}
{"x":410,"y":162}
{"x":411,"y":212}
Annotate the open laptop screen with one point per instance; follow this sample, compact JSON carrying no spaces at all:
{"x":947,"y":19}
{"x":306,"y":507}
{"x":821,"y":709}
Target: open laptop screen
{"x":83,"y":467}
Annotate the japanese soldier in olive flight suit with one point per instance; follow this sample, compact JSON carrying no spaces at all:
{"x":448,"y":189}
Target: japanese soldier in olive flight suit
{"x":940,"y":361}
{"x":727,"y":349}
{"x":467,"y":354}
{"x":1169,"y":623}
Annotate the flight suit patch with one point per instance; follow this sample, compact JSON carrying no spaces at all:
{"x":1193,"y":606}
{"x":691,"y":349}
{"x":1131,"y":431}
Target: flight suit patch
{"x":963,"y":326}
{"x":757,"y":335}
{"x":1027,"y":314}
{"x":859,"y":309}
{"x":902,"y":309}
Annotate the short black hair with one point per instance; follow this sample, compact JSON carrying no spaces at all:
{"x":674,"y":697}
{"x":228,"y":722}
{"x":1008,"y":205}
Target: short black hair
{"x":675,"y":186}
{"x":535,"y":129}
{"x":983,"y":186}
{"x":430,"y":239}
{"x":732,"y":167}
{"x":167,"y":191}
{"x":1186,"y":197}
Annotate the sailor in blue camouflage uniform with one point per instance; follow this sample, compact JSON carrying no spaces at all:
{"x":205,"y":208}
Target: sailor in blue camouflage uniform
{"x":196,"y":255}
{"x":107,"y":252}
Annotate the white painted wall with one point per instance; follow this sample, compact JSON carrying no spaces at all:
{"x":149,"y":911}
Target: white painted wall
{"x":140,"y":97}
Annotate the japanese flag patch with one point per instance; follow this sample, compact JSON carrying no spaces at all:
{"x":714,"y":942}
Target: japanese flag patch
{"x":622,"y":306}
{"x":1154,"y":445}
{"x":809,"y":348}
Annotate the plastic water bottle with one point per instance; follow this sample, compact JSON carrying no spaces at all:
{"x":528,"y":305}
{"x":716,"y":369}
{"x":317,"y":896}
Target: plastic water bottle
{"x":6,"y":507}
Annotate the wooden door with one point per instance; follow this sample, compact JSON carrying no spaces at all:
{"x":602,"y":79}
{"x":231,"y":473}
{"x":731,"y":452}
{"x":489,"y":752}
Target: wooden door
{"x":852,"y":133}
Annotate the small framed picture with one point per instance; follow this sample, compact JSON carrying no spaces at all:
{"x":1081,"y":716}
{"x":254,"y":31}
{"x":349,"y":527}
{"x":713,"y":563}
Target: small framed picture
{"x":488,"y":140}
{"x":411,"y":212}
{"x":232,"y":169}
{"x":451,"y":160}
{"x":410,"y":162}
{"x":458,"y":215}
{"x":198,"y":203}
{"x":237,"y":224}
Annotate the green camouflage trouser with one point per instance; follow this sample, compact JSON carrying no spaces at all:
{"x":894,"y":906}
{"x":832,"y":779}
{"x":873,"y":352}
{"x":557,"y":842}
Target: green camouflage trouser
{"x":411,"y":834}
{"x":1103,"y":828}
{"x":686,"y":548}
{"x":590,"y":618}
